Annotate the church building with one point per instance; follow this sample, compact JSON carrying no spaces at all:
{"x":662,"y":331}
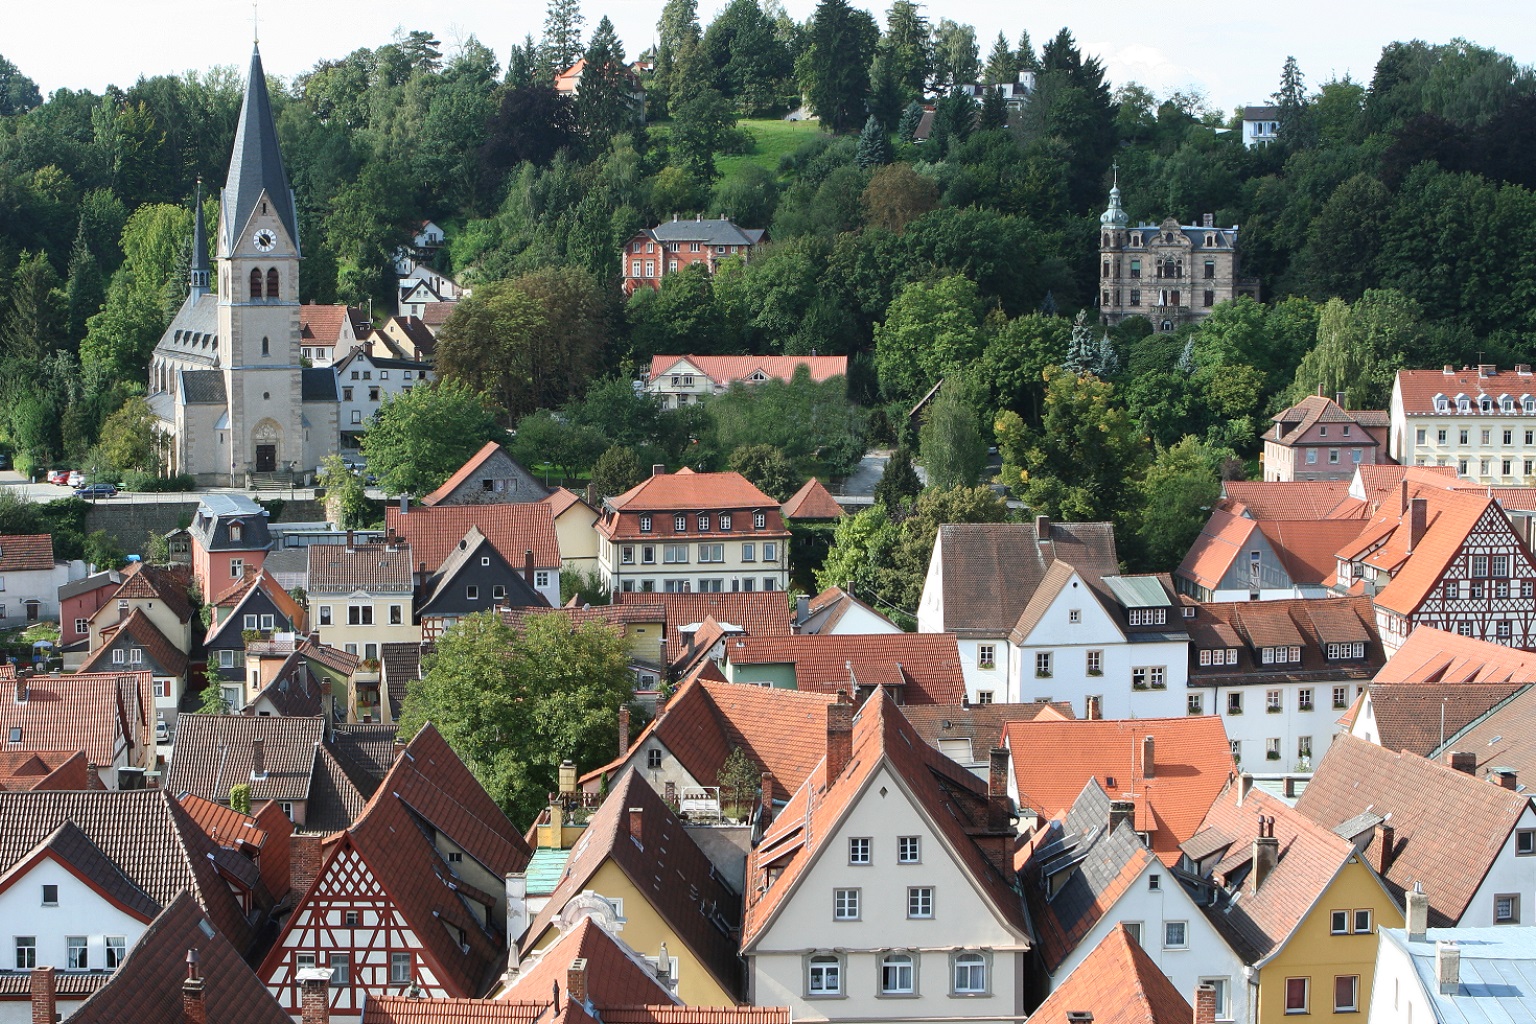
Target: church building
{"x":227,"y":380}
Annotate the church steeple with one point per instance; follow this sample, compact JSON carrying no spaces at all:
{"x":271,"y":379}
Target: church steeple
{"x":256,"y":166}
{"x":201,"y":272}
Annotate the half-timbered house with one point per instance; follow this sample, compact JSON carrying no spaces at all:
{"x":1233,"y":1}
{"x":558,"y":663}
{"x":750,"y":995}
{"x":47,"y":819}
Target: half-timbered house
{"x":414,"y":894}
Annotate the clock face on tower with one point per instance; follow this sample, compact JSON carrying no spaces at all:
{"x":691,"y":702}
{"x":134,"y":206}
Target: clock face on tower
{"x":264,"y":239}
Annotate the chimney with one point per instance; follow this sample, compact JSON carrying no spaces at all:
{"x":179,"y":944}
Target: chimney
{"x":1205,"y":1004}
{"x":517,"y":915}
{"x":1042,"y":528}
{"x":1095,"y":708}
{"x":999,"y":804}
{"x":658,"y":469}
{"x":567,"y":778}
{"x":303,"y":862}
{"x":1464,"y":761}
{"x":193,"y":1010}
{"x":1266,"y":854}
{"x":839,"y":738}
{"x":1385,"y":834}
{"x":1121,"y":810}
{"x":1448,"y":967}
{"x":637,"y":825}
{"x":1418,"y":522}
{"x":1505,"y":777}
{"x":1148,"y":758}
{"x":528,"y":567}
{"x":576,"y":981}
{"x":44,"y":997}
{"x":1418,"y":912}
{"x":258,"y":758}
{"x":314,"y":998}
{"x":623,"y":732}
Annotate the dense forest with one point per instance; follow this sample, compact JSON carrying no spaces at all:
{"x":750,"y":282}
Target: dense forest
{"x":1393,"y":224}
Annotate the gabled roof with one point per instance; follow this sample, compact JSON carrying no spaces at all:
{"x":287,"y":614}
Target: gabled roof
{"x":26,"y":552}
{"x":86,"y":711}
{"x":953,"y":800}
{"x":23,"y":770}
{"x":923,"y":667}
{"x":374,"y":568}
{"x":991,"y":570}
{"x":434,"y":531}
{"x":1117,"y":983}
{"x":147,"y":988}
{"x":666,"y":866}
{"x":464,"y":472}
{"x":1099,"y":866}
{"x":1257,"y":924}
{"x":256,"y":167}
{"x":780,"y":731}
{"x":616,"y":975}
{"x":1191,"y":762}
{"x":141,"y":630}
{"x":145,"y":834}
{"x":1418,"y":798}
{"x":687,"y":491}
{"x":428,"y":792}
{"x":812,"y":501}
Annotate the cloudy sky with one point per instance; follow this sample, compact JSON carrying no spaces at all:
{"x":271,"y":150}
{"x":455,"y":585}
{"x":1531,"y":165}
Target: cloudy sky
{"x":1230,"y":52}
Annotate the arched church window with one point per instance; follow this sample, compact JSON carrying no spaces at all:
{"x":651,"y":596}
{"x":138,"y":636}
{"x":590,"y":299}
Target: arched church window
{"x":266,"y":348}
{"x":272,"y":283}
{"x":255,"y":284}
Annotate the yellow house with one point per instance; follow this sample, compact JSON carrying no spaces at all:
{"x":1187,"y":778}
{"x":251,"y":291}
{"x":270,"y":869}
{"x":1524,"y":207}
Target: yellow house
{"x":635,"y":860}
{"x":1298,"y":903}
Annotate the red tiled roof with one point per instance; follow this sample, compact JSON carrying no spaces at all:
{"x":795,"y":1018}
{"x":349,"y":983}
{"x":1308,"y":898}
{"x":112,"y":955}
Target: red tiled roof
{"x":1192,"y":761}
{"x":433,"y":531}
{"x":812,"y":501}
{"x":1297,"y":499}
{"x":952,"y":798}
{"x":923,"y":667}
{"x":90,"y":712}
{"x":726,"y":370}
{"x":687,"y":491}
{"x":616,"y":976}
{"x":463,"y":473}
{"x":1118,"y":984}
{"x":26,"y":552}
{"x":1418,"y":389}
{"x":1449,"y":827}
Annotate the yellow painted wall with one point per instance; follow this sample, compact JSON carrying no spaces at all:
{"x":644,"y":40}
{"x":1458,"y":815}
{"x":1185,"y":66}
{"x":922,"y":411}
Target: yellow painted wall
{"x":1313,"y":952}
{"x":645,"y":931}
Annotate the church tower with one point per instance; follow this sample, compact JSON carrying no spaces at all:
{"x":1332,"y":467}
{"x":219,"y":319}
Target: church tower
{"x":258,"y":266}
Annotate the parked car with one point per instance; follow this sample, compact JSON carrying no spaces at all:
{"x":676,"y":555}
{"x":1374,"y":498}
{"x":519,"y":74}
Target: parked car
{"x":96,"y":491}
{"x":76,"y":478}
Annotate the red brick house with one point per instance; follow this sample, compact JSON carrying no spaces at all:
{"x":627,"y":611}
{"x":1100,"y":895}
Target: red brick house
{"x":677,"y":244}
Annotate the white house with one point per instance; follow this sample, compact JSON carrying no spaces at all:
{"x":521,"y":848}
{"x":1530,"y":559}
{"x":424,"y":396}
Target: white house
{"x":30,"y":578}
{"x":883,"y":890}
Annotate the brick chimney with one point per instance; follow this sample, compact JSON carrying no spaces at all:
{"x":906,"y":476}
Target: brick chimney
{"x":999,"y":804}
{"x":1266,"y":854}
{"x":314,"y":995}
{"x":1205,"y":1004}
{"x":1148,"y":757}
{"x":839,"y":738}
{"x":1418,"y":522}
{"x":623,"y":732}
{"x":1418,"y":912}
{"x":1121,"y":810}
{"x":1464,"y":761}
{"x":258,"y":758}
{"x":193,"y":1009}
{"x":576,"y":981}
{"x":303,"y":862}
{"x":1385,"y":834}
{"x":44,"y":996}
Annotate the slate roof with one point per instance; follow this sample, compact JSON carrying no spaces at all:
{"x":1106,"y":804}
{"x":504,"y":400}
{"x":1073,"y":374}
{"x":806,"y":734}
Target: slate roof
{"x":433,"y":531}
{"x":782,"y":731}
{"x":923,"y":668}
{"x":991,"y":570}
{"x":145,"y":833}
{"x":147,"y":988}
{"x":88,"y":712}
{"x":1449,"y":827}
{"x":666,"y":866}
{"x":1118,"y":983}
{"x":256,"y":165}
{"x":1191,"y":762}
{"x":374,"y":568}
{"x":953,"y":799}
{"x":1099,"y":867}
{"x":812,"y":501}
{"x":464,"y":472}
{"x":203,"y":387}
{"x":26,"y":552}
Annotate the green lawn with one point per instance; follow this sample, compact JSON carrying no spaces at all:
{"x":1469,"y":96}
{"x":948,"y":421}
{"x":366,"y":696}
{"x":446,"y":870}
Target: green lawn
{"x":774,"y":138}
